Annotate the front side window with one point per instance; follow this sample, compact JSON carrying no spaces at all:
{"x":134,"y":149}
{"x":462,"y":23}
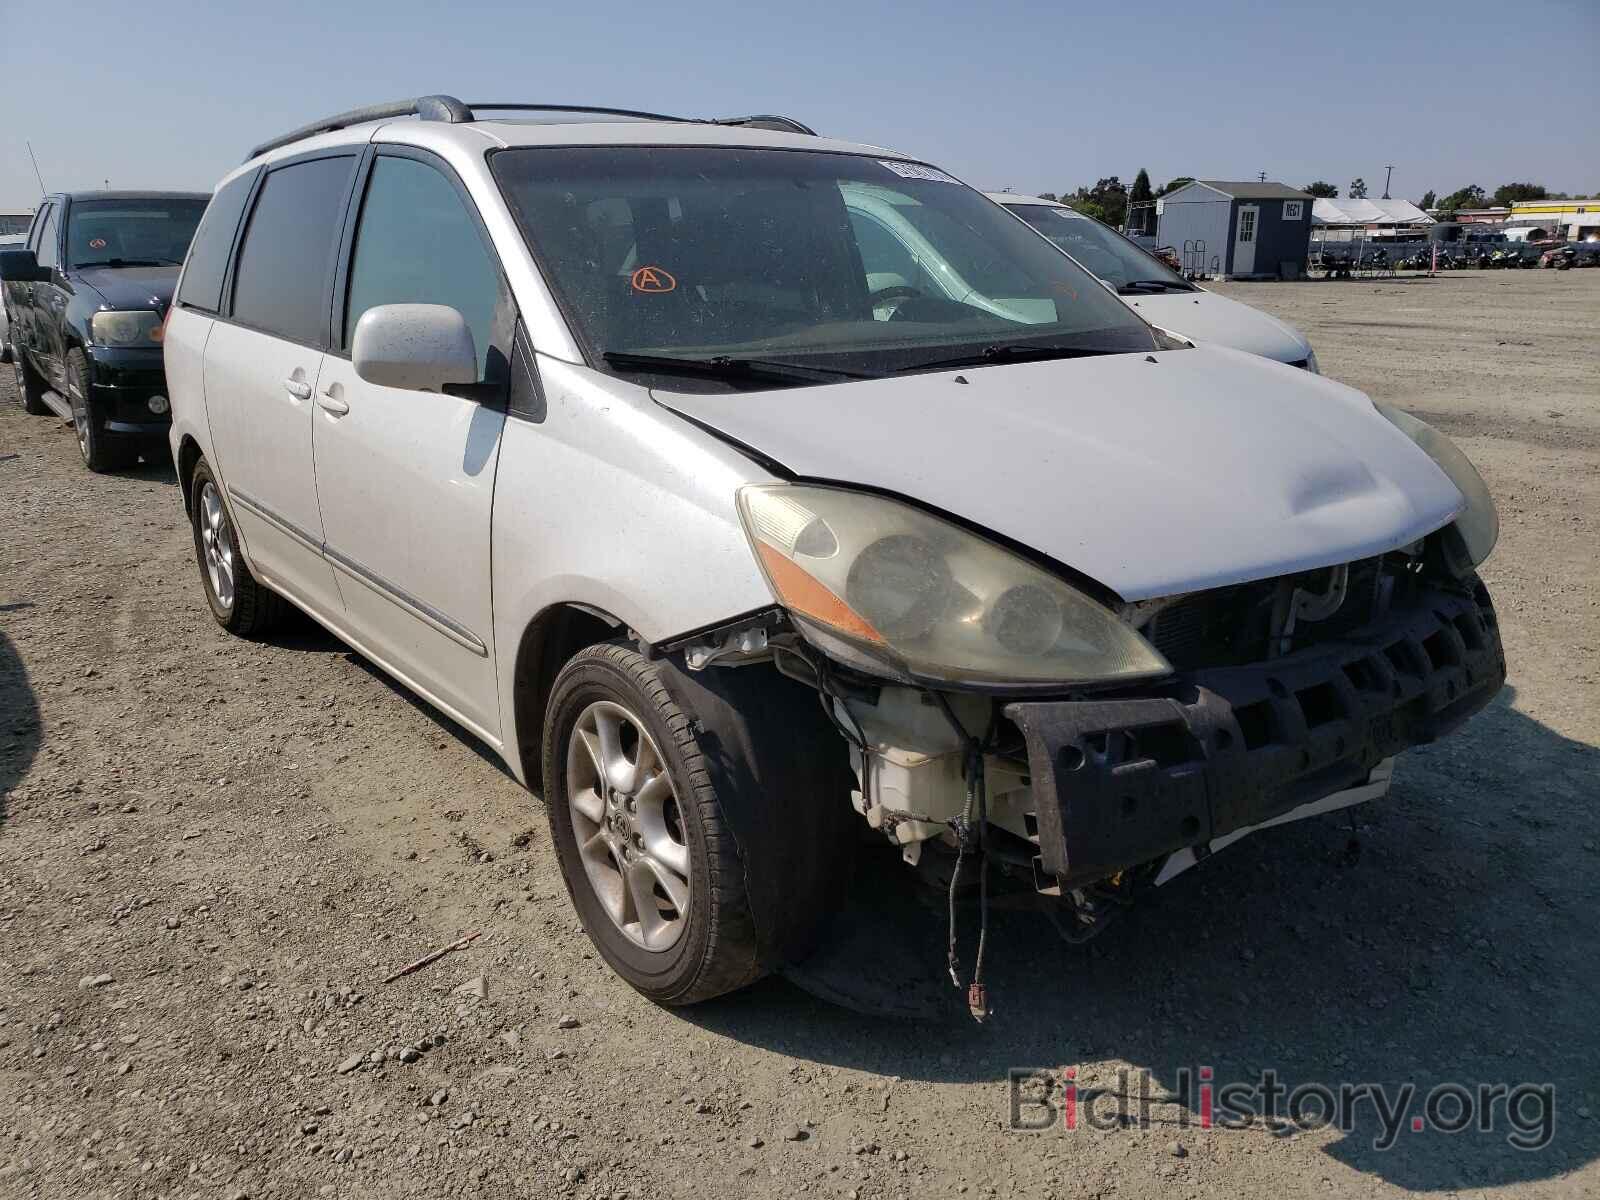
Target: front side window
{"x":47,"y":252}
{"x":1103,"y":251}
{"x":837,"y":261}
{"x":417,"y":244}
{"x":131,"y":233}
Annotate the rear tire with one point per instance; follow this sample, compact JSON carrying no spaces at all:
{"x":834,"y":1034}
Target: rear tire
{"x":100,"y":452}
{"x":30,"y":385}
{"x":241,"y":604}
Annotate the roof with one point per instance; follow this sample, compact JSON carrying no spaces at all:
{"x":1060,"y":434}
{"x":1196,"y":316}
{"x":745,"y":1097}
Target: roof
{"x":1368,"y":212}
{"x":472,"y":138}
{"x":455,"y":115}
{"x":129,"y":194}
{"x":1251,"y":189}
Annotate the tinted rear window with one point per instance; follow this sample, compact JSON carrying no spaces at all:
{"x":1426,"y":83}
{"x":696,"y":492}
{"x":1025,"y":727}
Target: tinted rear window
{"x":281,"y":284}
{"x":208,"y":255}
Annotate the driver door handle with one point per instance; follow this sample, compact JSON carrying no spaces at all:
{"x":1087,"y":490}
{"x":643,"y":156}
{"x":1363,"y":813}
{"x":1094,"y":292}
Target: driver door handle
{"x":297,"y":388}
{"x":330,"y":403}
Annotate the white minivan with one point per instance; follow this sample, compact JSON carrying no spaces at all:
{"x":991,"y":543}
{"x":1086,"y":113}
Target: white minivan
{"x":660,"y":456}
{"x":1158,"y":293}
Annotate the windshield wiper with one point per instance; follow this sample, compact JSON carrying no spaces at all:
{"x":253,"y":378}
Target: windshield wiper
{"x":723,"y":366}
{"x":995,"y":355}
{"x":1153,"y":285}
{"x":127,"y":262}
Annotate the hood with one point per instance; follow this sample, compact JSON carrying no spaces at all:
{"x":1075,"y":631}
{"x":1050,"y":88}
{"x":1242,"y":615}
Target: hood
{"x":1153,"y":474}
{"x":131,"y":288}
{"x":1215,"y":320}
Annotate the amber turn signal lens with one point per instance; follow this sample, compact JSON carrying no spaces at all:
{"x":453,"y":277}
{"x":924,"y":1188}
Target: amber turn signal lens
{"x":801,"y":593}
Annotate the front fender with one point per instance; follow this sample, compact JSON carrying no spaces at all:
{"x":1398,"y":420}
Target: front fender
{"x":615,"y":504}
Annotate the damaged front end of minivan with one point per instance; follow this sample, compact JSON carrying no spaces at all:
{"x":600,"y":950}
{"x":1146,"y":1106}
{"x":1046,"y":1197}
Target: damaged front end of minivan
{"x":1008,"y":728}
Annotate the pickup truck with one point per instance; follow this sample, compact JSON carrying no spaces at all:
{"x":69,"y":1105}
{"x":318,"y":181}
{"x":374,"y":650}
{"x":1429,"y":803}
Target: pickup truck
{"x":85,"y":298}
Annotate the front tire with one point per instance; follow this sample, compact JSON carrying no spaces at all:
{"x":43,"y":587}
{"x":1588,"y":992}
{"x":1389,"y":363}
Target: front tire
{"x":100,"y":452}
{"x":241,"y":604}
{"x":648,"y":858}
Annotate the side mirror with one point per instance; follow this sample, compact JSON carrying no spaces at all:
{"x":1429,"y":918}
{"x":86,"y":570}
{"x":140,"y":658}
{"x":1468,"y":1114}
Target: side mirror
{"x":21,"y":266}
{"x":419,"y":347}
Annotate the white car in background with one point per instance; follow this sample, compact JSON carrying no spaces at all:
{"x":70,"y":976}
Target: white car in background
{"x":1158,"y":293}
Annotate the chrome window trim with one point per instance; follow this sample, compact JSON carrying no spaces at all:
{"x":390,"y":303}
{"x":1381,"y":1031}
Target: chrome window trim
{"x":420,"y":609}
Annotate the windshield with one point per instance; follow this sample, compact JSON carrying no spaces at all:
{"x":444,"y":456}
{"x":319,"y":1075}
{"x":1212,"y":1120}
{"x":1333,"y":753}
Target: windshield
{"x":1104,"y":251}
{"x":830,"y":261}
{"x":131,"y":232}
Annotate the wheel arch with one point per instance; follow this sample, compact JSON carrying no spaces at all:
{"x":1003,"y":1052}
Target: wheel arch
{"x":189,"y":455}
{"x":550,"y":639}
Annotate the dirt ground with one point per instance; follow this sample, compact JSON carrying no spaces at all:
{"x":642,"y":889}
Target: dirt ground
{"x":212,"y":852}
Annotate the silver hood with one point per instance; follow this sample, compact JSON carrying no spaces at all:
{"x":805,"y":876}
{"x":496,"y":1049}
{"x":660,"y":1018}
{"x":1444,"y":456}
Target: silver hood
{"x":1153,"y":474}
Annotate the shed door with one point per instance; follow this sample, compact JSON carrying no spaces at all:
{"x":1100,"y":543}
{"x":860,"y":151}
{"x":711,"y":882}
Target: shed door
{"x":1244,"y":239}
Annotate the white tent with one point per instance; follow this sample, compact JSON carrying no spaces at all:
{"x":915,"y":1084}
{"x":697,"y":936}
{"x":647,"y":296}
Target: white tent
{"x":1368,"y":212}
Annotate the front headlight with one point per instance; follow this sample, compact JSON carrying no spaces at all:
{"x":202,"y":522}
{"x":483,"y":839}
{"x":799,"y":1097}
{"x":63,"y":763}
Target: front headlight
{"x":922,"y":598}
{"x":1479,"y":522}
{"x":1311,"y":362}
{"x":126,"y":328}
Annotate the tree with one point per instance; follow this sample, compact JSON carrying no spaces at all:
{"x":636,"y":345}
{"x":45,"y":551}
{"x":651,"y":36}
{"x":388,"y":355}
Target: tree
{"x":1173,"y":185}
{"x":1508,"y":194}
{"x":1470,"y":196}
{"x":1106,"y":201}
{"x":1358,"y":188}
{"x":1427,"y":199}
{"x":1142,"y":218}
{"x":1321,"y":189}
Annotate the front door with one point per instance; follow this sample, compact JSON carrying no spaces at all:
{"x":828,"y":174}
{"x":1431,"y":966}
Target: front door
{"x":50,"y":303}
{"x":23,"y":296}
{"x":262,"y":365}
{"x":1244,"y":240}
{"x":406,"y":479}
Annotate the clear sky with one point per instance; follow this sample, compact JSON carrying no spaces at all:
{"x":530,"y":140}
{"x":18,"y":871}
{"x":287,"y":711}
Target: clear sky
{"x":1031,"y":96}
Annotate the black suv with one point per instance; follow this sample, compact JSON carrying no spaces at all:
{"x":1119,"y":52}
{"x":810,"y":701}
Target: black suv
{"x":86,"y":298}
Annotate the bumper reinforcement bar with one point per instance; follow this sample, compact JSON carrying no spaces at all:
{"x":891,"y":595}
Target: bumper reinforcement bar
{"x":1117,"y":783}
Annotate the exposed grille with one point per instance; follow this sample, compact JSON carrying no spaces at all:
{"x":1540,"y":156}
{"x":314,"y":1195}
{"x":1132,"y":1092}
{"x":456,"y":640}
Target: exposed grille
{"x":1230,"y":625}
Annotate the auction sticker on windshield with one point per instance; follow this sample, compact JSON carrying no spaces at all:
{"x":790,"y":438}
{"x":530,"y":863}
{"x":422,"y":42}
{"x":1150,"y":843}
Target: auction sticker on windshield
{"x":913,"y":171}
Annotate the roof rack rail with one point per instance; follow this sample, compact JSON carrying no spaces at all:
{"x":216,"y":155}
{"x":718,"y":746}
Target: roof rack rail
{"x":769,"y":121}
{"x":761,"y":121}
{"x":576,"y":108}
{"x":453,"y":111}
{"x":429,"y":108}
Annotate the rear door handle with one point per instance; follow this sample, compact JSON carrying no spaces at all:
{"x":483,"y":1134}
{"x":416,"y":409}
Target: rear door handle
{"x":297,"y":388}
{"x":330,"y":403}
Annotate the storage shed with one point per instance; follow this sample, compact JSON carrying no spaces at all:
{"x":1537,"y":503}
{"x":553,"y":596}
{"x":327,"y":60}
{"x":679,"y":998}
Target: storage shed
{"x":1237,"y":230}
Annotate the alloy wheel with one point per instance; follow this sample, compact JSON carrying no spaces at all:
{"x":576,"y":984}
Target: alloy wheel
{"x":80,"y":412}
{"x":628,"y":826}
{"x":217,"y":543}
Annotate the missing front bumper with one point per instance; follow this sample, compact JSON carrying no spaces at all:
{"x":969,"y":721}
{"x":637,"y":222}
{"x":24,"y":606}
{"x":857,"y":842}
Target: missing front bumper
{"x":1124,"y":782}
